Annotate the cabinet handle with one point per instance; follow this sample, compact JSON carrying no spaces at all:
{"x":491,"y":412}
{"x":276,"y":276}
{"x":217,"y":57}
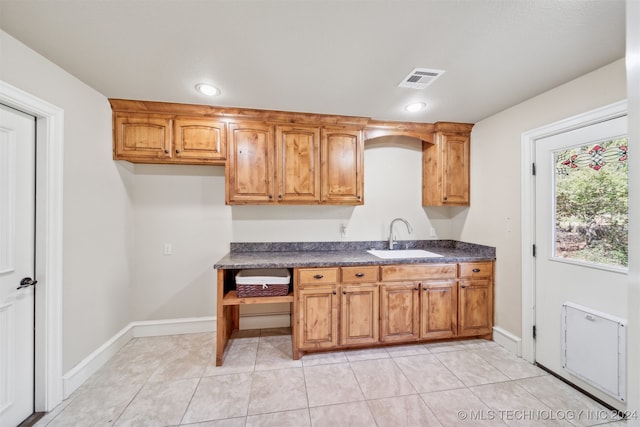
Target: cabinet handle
{"x":444,"y":198}
{"x":270,"y":196}
{"x":318,"y":276}
{"x":476,"y":270}
{"x":279,"y":196}
{"x":166,"y":151}
{"x":359,"y":197}
{"x":416,"y":289}
{"x":177,"y":151}
{"x":359,"y":274}
{"x":334,"y":292}
{"x":463,"y":286}
{"x":424,"y":289}
{"x":344,"y":292}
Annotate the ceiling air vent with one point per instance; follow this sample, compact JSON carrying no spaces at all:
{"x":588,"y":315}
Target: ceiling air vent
{"x":420,"y":78}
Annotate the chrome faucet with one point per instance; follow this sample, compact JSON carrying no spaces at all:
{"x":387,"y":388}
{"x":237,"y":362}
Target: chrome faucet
{"x":409,"y":229}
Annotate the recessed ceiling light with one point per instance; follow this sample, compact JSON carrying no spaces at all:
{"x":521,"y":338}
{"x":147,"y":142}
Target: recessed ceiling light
{"x":415,"y":107}
{"x":207,"y":89}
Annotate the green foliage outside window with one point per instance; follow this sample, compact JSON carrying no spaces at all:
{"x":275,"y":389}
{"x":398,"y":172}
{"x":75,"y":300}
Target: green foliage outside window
{"x":592,"y":203}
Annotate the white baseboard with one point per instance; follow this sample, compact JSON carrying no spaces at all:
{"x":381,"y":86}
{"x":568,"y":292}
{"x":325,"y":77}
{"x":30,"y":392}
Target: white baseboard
{"x":507,"y":340}
{"x":92,"y":363}
{"x":262,"y":321}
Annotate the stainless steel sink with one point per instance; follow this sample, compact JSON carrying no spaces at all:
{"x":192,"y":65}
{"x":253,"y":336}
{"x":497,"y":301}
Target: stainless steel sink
{"x":403,"y":253}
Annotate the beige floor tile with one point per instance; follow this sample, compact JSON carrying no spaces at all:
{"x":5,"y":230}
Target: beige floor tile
{"x":324,"y":358}
{"x":460,"y":407}
{"x":159,"y":404}
{"x":407,"y":350}
{"x":219,"y":397}
{"x":237,"y":358}
{"x":470,"y":368}
{"x":479,"y":343}
{"x":229,"y":422}
{"x":516,"y":406}
{"x":277,"y":390}
{"x":188,"y":360}
{"x":331,"y":384}
{"x":566,"y":401}
{"x":275,"y":353}
{"x":381,"y":378}
{"x":355,"y":414}
{"x":443,"y":347}
{"x":297,"y":418}
{"x":509,"y":364}
{"x":366,"y":354}
{"x":426,"y":373}
{"x":96,"y":406}
{"x":403,"y":411}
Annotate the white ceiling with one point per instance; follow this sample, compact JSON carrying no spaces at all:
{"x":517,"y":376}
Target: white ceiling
{"x":339,"y":57}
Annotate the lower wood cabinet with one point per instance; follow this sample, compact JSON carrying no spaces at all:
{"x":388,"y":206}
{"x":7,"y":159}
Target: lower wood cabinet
{"x":369,"y":305}
{"x":439,"y":309}
{"x":399,"y":312}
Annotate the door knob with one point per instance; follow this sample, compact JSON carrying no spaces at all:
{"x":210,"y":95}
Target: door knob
{"x":26,"y":282}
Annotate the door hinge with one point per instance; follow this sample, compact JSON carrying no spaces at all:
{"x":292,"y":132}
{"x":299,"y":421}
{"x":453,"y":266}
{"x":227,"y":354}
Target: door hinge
{"x":534,"y":250}
{"x":533,"y":169}
{"x":534,"y":332}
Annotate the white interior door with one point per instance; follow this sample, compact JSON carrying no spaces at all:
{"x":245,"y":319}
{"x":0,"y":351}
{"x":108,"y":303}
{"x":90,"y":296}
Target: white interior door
{"x":17,"y":232}
{"x":580,"y":235}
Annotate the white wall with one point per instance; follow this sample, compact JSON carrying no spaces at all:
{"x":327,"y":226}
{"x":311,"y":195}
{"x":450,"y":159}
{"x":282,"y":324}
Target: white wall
{"x":494,"y":216}
{"x":97,"y":208}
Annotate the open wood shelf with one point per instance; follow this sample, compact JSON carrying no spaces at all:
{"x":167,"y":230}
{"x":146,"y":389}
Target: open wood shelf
{"x":231,"y":298}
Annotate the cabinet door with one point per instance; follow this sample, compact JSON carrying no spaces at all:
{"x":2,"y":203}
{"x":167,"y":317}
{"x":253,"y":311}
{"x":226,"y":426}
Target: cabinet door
{"x":455,"y":180}
{"x":439,"y":309}
{"x":200,"y":139}
{"x":249,"y":171}
{"x":317,"y":317}
{"x":142,"y":137}
{"x":298,"y":164}
{"x":475,"y":307}
{"x":342,"y":167}
{"x":359,"y":323}
{"x":399,"y":312}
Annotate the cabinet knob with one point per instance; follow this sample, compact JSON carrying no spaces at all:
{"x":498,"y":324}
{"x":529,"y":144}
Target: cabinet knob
{"x":279,"y":196}
{"x":166,"y":151}
{"x":318,"y":276}
{"x":463,"y":286}
{"x":335,"y":293}
{"x":444,"y":198}
{"x":416,"y":289}
{"x":359,"y":274}
{"x":177,"y":151}
{"x":476,"y":270}
{"x":270,"y":196}
{"x":344,"y":292}
{"x":359,"y":197}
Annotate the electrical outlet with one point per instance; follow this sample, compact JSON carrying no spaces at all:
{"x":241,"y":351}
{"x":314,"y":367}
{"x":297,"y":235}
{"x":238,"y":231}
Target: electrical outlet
{"x":167,"y":249}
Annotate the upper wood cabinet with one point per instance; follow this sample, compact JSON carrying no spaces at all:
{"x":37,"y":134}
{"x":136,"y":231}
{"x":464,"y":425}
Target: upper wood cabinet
{"x":249,"y":171}
{"x":445,"y":166}
{"x":293,"y":164}
{"x":142,"y":137}
{"x":156,"y":138}
{"x":298,"y":164}
{"x":200,"y":139}
{"x":342,"y":167}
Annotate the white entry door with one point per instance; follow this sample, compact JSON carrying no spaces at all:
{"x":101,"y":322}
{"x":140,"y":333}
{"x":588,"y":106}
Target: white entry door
{"x":17,"y":233}
{"x":580,"y":235}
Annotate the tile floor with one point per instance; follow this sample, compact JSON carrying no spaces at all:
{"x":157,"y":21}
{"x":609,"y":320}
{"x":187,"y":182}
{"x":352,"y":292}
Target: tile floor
{"x":173,"y":381}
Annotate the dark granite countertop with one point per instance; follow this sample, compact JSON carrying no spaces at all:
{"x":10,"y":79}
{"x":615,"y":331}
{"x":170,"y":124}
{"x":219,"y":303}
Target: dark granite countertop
{"x":332,"y":254}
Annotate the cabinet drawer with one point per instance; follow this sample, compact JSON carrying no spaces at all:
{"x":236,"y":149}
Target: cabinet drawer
{"x":311,"y":276}
{"x":417,"y":272}
{"x":476,"y":270}
{"x":364,"y":274}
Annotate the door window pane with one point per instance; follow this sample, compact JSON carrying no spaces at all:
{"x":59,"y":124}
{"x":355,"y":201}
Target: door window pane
{"x":591,"y":192}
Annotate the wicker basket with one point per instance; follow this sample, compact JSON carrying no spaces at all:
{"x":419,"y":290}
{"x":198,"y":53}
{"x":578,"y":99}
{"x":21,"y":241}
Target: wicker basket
{"x":262,"y":283}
